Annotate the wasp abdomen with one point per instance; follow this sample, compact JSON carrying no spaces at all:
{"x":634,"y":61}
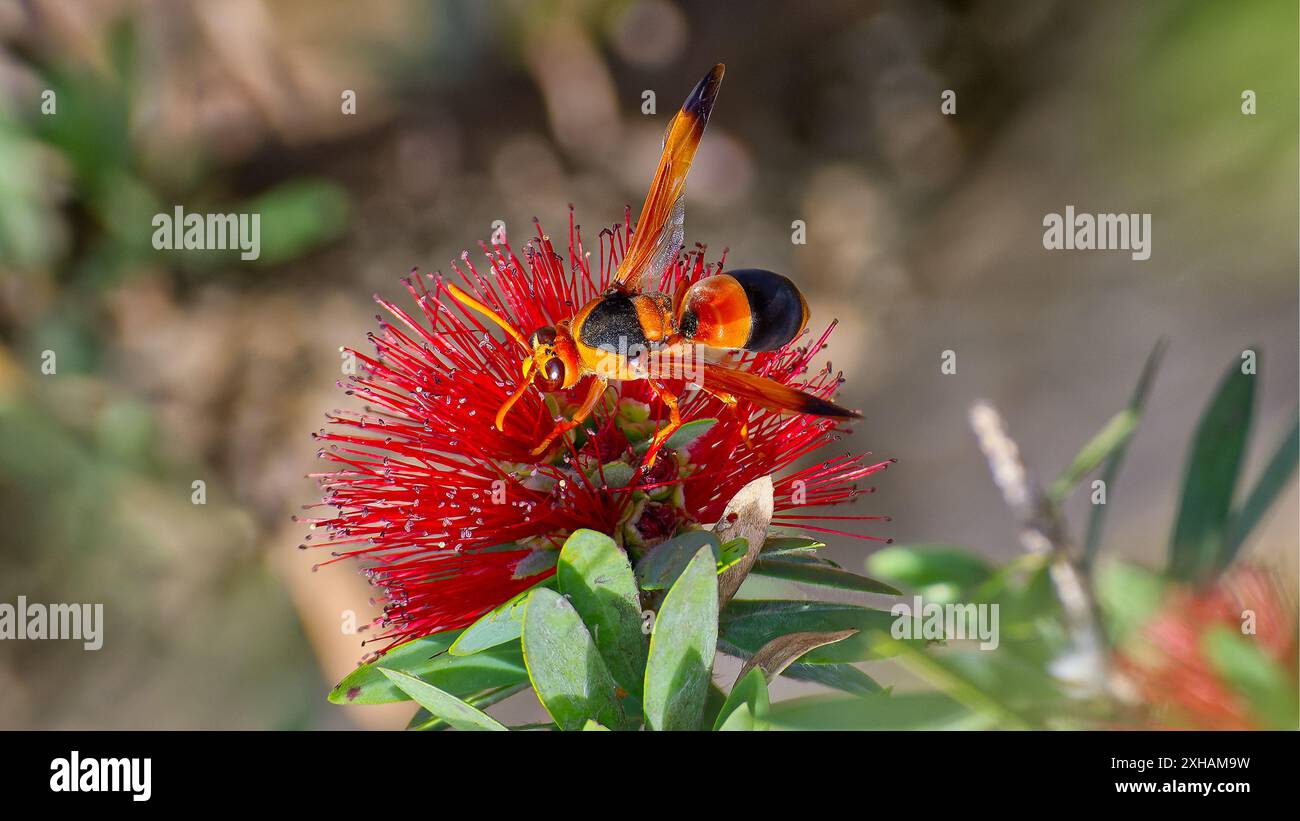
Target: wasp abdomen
{"x":751,"y":308}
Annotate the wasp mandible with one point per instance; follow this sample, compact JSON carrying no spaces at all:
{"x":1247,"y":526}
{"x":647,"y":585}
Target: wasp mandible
{"x":618,"y":334}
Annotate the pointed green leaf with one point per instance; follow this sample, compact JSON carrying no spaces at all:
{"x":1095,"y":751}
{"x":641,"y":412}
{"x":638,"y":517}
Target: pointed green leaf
{"x":1136,"y":405}
{"x":713,"y":702}
{"x":820,"y":575}
{"x":661,"y":566}
{"x":366,"y":685}
{"x":1276,"y":475}
{"x":595,"y":575}
{"x":427,"y":659}
{"x":683,"y":436}
{"x":782,"y":544}
{"x":594,"y":725}
{"x":1113,"y":436}
{"x":689,"y":432}
{"x":564,"y":665}
{"x":1199,"y":548}
{"x":844,"y":677}
{"x":442,"y":704}
{"x":682,"y":645}
{"x":747,"y":706}
{"x":424,"y":721}
{"x":748,"y":624}
{"x":499,"y":625}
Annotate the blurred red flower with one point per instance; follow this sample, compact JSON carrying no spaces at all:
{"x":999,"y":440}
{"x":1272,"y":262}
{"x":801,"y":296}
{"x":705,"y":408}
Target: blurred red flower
{"x":1175,"y":677}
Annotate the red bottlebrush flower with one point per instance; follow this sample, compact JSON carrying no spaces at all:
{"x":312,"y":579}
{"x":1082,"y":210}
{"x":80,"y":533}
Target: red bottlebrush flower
{"x":444,"y":509}
{"x":1168,"y":665}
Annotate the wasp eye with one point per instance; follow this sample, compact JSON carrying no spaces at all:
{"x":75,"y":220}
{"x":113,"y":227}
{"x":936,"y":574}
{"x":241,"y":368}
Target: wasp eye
{"x":543,"y":336}
{"x":555,"y":372}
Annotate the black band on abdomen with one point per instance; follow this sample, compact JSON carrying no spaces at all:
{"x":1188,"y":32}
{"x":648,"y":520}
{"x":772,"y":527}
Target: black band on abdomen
{"x":775,"y":306}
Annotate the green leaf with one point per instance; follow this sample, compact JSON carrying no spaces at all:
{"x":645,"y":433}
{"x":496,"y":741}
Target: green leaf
{"x":747,"y":706}
{"x":689,"y":432}
{"x":298,"y":216}
{"x":843,"y":677}
{"x":1199,"y":548}
{"x":782,"y":544}
{"x":564,"y":665}
{"x":1128,"y":596}
{"x":1136,"y":405}
{"x":442,"y":704}
{"x":1267,"y":688}
{"x":502,"y":624}
{"x":536,"y":563}
{"x":423,"y":720}
{"x":427,"y":659}
{"x":925,"y":565}
{"x":683,"y":436}
{"x":881,"y":711}
{"x":1110,"y":438}
{"x":661,"y":566}
{"x":595,"y":575}
{"x":748,"y":624}
{"x":682,"y":645}
{"x":594,"y":725}
{"x":616,"y":475}
{"x":416,"y":657}
{"x":820,"y":575}
{"x":1276,"y":475}
{"x":731,"y":552}
{"x":713,"y":702}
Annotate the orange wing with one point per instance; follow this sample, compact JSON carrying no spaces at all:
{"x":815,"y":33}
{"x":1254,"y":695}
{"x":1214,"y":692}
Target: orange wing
{"x":659,"y":230}
{"x":770,"y":394}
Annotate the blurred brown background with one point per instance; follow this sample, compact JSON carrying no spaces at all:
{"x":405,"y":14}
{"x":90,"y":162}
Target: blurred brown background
{"x":924,"y":234}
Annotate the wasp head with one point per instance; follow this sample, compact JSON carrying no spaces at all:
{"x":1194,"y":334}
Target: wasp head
{"x":552,"y":366}
{"x":555,"y":358}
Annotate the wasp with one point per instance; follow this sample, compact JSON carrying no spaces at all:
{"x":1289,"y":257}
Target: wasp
{"x":621,"y":334}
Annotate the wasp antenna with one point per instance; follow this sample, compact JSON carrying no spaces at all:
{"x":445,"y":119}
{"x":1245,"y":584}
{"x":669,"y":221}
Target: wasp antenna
{"x":470,"y":302}
{"x":515,"y":397}
{"x":701,"y":99}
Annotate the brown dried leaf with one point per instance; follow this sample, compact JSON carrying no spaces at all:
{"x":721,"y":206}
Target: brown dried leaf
{"x":782,"y":651}
{"x":746,"y":516}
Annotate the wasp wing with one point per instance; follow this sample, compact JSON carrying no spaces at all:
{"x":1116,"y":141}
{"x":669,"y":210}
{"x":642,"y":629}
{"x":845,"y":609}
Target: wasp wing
{"x":660,"y":228}
{"x":770,"y":394}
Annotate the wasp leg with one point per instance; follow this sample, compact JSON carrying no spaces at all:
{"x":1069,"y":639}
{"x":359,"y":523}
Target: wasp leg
{"x":594,"y":392}
{"x":674,"y":422}
{"x":733,"y":405}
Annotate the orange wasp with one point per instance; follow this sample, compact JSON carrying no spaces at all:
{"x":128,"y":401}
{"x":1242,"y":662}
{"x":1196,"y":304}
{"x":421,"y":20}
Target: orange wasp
{"x":624,"y":332}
